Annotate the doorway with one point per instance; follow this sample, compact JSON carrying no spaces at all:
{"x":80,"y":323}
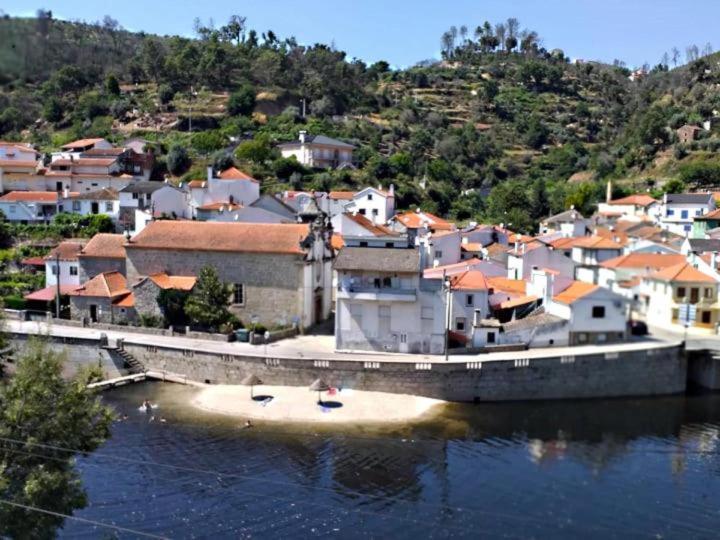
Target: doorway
{"x":93,"y":313}
{"x":95,"y":208}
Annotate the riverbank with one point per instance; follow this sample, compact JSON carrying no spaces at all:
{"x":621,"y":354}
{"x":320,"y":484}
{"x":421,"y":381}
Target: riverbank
{"x":298,"y":404}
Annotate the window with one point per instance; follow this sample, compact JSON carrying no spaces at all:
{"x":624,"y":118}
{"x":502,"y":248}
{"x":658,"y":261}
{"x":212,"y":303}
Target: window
{"x":426,"y":313}
{"x":73,"y":270}
{"x":687,"y":228}
{"x":683,"y":214}
{"x":708,"y":293}
{"x":135,"y":196}
{"x":363,"y":244}
{"x":369,"y":196}
{"x":706,"y":317}
{"x":387,"y":282}
{"x":375,"y":212}
{"x":108,"y":207}
{"x":55,"y":269}
{"x":362,"y":212}
{"x":460,"y":324}
{"x":469,"y":300}
{"x":491,"y":337}
{"x":698,"y":212}
{"x":384,"y":318}
{"x":94,"y":184}
{"x":76,"y":206}
{"x":12,"y":208}
{"x":238,"y":293}
{"x":694,"y":295}
{"x":670,"y":212}
{"x":438,"y":254}
{"x":681,"y":292}
{"x":389,"y":244}
{"x":598,"y":312}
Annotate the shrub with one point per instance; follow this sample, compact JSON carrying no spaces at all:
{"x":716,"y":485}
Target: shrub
{"x":242,"y":101}
{"x":178,"y":160}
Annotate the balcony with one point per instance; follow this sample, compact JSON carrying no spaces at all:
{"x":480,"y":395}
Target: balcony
{"x":377,"y":294}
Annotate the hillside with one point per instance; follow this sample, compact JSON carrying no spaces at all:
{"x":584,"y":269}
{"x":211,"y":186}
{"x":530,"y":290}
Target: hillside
{"x":500,"y":130}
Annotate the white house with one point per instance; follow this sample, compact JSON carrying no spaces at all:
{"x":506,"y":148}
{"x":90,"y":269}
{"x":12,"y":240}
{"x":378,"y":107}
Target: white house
{"x":319,"y":151}
{"x":62,"y":264}
{"x":104,"y":201}
{"x":231,"y":186}
{"x":375,"y":204}
{"x":469,"y":304}
{"x":18,"y":167}
{"x":623,"y":274}
{"x":524,"y":256}
{"x":632,"y":206}
{"x":29,"y":207}
{"x":382,"y":305}
{"x":570,"y":223}
{"x":680,"y":209}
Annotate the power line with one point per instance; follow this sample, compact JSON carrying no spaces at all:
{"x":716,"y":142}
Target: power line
{"x":79,"y":519}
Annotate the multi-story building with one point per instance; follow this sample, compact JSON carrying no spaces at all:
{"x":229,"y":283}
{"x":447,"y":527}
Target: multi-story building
{"x":679,"y":210}
{"x":319,"y":151}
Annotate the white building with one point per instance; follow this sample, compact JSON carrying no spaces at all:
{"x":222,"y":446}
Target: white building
{"x":28,"y":207}
{"x":375,"y":204}
{"x":319,"y":151}
{"x":524,"y":256}
{"x":18,"y":166}
{"x":382,"y":304}
{"x":231,"y":187}
{"x":104,"y":201}
{"x":680,"y":209}
{"x":62,"y":264}
{"x":631,"y":207}
{"x":570,"y":223}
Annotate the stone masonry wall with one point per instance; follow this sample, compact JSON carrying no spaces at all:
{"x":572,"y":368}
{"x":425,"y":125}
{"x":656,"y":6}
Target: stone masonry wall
{"x":272,"y":282}
{"x":92,"y":266}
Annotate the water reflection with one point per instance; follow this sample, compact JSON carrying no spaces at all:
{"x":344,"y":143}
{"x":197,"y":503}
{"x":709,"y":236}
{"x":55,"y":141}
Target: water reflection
{"x":613,"y":468}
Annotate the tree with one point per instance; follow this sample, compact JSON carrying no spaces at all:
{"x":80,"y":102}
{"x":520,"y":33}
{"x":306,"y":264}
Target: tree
{"x":178,"y":160}
{"x":172,"y":304}
{"x":165,"y":94}
{"x":153,"y":58}
{"x":257,"y":150}
{"x":112,"y":85}
{"x":40,"y":410}
{"x":52,"y":110}
{"x":207,"y":305}
{"x":675,"y":53}
{"x":242,"y":101}
{"x":234,"y":30}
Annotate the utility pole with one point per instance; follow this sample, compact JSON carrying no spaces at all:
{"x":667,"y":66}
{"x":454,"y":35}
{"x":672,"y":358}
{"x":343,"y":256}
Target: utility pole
{"x":303,"y":106}
{"x":448,"y":299}
{"x":57,"y":285}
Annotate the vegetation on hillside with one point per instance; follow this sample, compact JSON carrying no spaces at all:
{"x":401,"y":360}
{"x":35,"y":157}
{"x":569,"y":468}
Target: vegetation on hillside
{"x":501,"y":129}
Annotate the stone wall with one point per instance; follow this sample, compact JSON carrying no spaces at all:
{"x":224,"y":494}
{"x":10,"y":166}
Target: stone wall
{"x":273,"y":283}
{"x":650,"y":372}
{"x":704,"y":369}
{"x":92,"y":266}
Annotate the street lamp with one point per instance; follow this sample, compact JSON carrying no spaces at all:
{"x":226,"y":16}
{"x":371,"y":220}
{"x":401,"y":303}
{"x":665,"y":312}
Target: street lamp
{"x":448,"y":300}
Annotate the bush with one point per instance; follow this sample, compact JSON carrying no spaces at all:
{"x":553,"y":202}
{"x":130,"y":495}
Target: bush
{"x":14,"y":302}
{"x":206,"y":142}
{"x":178,"y":160}
{"x":165,"y":94}
{"x":257,"y":150}
{"x":150,"y":321}
{"x":242,"y":102}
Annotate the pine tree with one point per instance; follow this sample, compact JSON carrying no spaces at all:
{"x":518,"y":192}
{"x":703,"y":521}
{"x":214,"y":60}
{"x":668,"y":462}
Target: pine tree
{"x":207,"y":305}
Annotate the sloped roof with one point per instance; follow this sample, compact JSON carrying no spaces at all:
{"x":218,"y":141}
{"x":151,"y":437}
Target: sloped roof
{"x":341,"y":195}
{"x":689,"y":198}
{"x":105,"y":285}
{"x":575,"y":291}
{"x":503,"y":284}
{"x":81,"y":143}
{"x":317,"y":139}
{"x":337,"y":241}
{"x":67,"y":251}
{"x":683,"y":272}
{"x":196,"y":184}
{"x":145,"y":186}
{"x":644,"y":260}
{"x":596,"y":242}
{"x":48,"y":294}
{"x":519,"y":301}
{"x":104,"y":194}
{"x":30,"y":196}
{"x":378,"y":259}
{"x":105,"y":245}
{"x":233,"y":173}
{"x":568,"y":216}
{"x":84,"y":162}
{"x":278,"y":238}
{"x":181,"y":283}
{"x":714,"y":215}
{"x":703,"y":245}
{"x":639,"y":199}
{"x":415,"y":220}
{"x":218,"y":206}
{"x":377,"y":230}
{"x":472,"y":280}
{"x":9,"y":163}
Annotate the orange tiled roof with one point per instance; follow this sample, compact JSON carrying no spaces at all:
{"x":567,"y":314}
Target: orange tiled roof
{"x":67,"y":251}
{"x":472,"y":280}
{"x":226,"y":237}
{"x":105,"y":285}
{"x":126,"y":301}
{"x":111,"y":246}
{"x":30,"y":196}
{"x":683,"y":272}
{"x":341,"y":195}
{"x":575,"y":291}
{"x":337,"y":241}
{"x":220,"y":206}
{"x":377,"y":230}
{"x":596,"y":242}
{"x":81,"y":143}
{"x":520,"y":301}
{"x":645,"y":260}
{"x":564,"y":243}
{"x":471,"y":246}
{"x":415,"y":220}
{"x":84,"y":162}
{"x":182,"y":283}
{"x":18,"y":163}
{"x":503,"y":284}
{"x":636,"y":200}
{"x":233,"y":173}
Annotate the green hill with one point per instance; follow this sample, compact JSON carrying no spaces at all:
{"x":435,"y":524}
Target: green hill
{"x":505,"y":132}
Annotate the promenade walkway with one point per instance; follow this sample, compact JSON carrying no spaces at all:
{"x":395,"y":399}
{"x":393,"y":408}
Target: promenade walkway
{"x":315,"y":347}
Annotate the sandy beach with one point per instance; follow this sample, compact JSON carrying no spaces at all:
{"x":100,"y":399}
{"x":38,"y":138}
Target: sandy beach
{"x":298,"y":404}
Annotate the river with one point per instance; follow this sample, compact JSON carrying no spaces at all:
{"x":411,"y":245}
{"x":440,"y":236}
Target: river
{"x":623,"y":468}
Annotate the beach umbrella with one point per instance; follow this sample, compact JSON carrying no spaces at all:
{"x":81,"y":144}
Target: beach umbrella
{"x":251,"y":380}
{"x":319,"y":386}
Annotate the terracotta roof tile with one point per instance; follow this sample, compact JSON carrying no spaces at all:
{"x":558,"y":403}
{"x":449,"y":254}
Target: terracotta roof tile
{"x":196,"y":184}
{"x":106,"y":245}
{"x":105,"y":285}
{"x":472,"y":280}
{"x":233,"y":173}
{"x":227,"y":237}
{"x":218,"y":206}
{"x":337,"y":241}
{"x":30,"y":196}
{"x":471,"y":246}
{"x":636,"y":200}
{"x":18,"y":163}
{"x":575,"y":291}
{"x":415,"y":220}
{"x":513,"y":286}
{"x":81,"y":143}
{"x":67,"y":251}
{"x":83,"y":162}
{"x":377,"y":230}
{"x":519,"y":301}
{"x":341,"y":195}
{"x":596,"y":242}
{"x":126,"y":301}
{"x":683,"y":272}
{"x":655,"y":261}
{"x":181,"y":283}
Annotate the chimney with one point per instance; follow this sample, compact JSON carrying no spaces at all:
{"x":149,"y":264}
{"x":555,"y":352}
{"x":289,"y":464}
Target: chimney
{"x":210,"y":172}
{"x":391,"y":191}
{"x":517,"y":243}
{"x":464,"y":239}
{"x":302,"y":136}
{"x":608,"y":193}
{"x":66,"y":192}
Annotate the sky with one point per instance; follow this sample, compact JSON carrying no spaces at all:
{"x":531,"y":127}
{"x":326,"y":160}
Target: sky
{"x":403,"y":32}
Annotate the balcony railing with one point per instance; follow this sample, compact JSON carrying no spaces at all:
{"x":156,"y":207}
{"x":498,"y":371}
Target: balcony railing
{"x":370,"y":292}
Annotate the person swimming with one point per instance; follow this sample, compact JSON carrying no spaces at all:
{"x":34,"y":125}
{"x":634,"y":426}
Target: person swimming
{"x":248,"y":424}
{"x":148,"y":406}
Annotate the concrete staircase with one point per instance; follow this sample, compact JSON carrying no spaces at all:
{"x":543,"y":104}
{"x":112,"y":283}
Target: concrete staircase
{"x":132,"y":364}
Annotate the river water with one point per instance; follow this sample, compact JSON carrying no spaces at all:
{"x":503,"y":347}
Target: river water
{"x":624,"y":468}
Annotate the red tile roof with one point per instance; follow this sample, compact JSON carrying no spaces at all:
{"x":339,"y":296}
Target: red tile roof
{"x":181,"y":283}
{"x":636,"y":200}
{"x":337,"y":241}
{"x":415,"y":220}
{"x":105,"y":245}
{"x":48,"y":294}
{"x":596,"y":242}
{"x":655,"y":261}
{"x":105,"y":285}
{"x":126,"y":301}
{"x":472,"y":280}
{"x":217,"y":206}
{"x":233,"y":173}
{"x":196,"y":184}
{"x":377,"y":230}
{"x":18,"y":163}
{"x":514,"y":286}
{"x":81,"y":143}
{"x":341,"y":195}
{"x":83,"y":162}
{"x":227,"y":237}
{"x":67,"y":251}
{"x":683,"y":272}
{"x":30,"y":196}
{"x":575,"y":292}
